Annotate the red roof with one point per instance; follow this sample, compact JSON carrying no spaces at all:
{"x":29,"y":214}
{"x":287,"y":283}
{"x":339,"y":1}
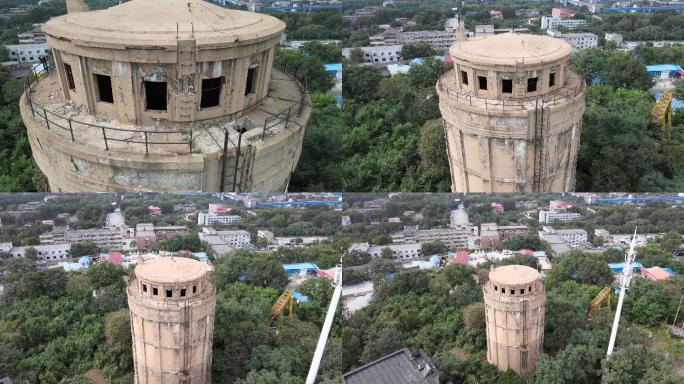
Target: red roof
{"x":114,"y":258}
{"x":526,"y":252}
{"x":460,"y":257}
{"x":655,"y":273}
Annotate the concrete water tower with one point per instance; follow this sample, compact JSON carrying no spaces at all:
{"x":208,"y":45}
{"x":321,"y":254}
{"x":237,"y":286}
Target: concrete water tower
{"x":514,"y":311}
{"x":165,"y":95}
{"x":171,"y":303}
{"x":512,"y":112}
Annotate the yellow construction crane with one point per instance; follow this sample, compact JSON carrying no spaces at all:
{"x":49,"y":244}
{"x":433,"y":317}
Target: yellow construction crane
{"x":605,"y":294}
{"x":661,"y":117}
{"x":285,"y":300}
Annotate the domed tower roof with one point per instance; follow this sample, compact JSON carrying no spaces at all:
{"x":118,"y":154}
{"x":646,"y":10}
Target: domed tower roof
{"x":159,"y":23}
{"x":514,"y":275}
{"x":170,"y":270}
{"x":511,"y":48}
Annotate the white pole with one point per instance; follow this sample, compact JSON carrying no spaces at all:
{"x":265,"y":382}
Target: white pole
{"x":624,"y":283}
{"x":323,"y":338}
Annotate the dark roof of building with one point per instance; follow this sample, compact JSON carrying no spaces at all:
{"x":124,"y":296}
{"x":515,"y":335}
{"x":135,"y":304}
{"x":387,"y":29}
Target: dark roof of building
{"x":400,"y":367}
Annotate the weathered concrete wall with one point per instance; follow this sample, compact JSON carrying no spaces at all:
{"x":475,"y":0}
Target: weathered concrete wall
{"x":515,"y":325}
{"x":492,"y":148}
{"x":172,"y":340}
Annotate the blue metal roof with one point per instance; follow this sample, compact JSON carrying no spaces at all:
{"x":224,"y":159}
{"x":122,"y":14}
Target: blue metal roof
{"x":299,"y":297}
{"x":617,"y":267}
{"x":295,"y":266}
{"x":337,"y":67}
{"x":663,"y":68}
{"x":539,"y":254}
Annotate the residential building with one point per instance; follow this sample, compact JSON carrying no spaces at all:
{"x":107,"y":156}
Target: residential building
{"x":451,"y":24}
{"x":6,"y":247}
{"x":218,"y":208}
{"x":27,"y":53}
{"x":346,"y":220}
{"x":438,"y":40}
{"x":389,"y":36}
{"x":34,"y":36}
{"x":615,"y":37}
{"x":377,"y":55}
{"x":656,"y":273}
{"x":496,"y":15}
{"x":395,"y":368}
{"x":210,"y":218}
{"x":580,"y":41}
{"x":571,"y":237}
{"x":481,"y":257}
{"x":399,"y":251}
{"x":497,"y":207}
{"x":526,"y":205}
{"x":168,"y":231}
{"x":154,"y":210}
{"x":451,"y":237}
{"x":47,"y":253}
{"x":492,"y":234}
{"x":559,"y":204}
{"x":561,"y":12}
{"x":104,"y":238}
{"x":459,"y":217}
{"x":145,"y":237}
{"x":551,"y":215}
{"x":602,"y":233}
{"x":555,"y":22}
{"x":287,"y":241}
{"x":225,"y":241}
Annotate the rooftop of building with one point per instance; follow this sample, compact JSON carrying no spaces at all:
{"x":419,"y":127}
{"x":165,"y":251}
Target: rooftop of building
{"x":402,"y":366}
{"x":514,"y":274}
{"x":158,"y":23}
{"x":170,"y":270}
{"x":510,"y":49}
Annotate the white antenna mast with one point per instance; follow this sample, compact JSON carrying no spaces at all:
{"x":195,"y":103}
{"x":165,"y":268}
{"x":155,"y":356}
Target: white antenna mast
{"x":627,"y":272}
{"x":323,"y":338}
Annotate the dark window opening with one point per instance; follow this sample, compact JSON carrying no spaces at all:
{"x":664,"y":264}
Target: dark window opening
{"x":182,"y":292}
{"x":155,"y":291}
{"x":69,"y":76}
{"x":464,"y":77}
{"x":529,"y":289}
{"x":496,"y":288}
{"x":194,"y":289}
{"x":512,"y":291}
{"x":507,"y":86}
{"x":169,"y":293}
{"x":532,"y":84}
{"x":552,"y":79}
{"x":251,"y":81}
{"x":522,"y":291}
{"x":483,"y":82}
{"x":155,"y":95}
{"x":144,"y":287}
{"x":503,"y":290}
{"x":104,"y":88}
{"x":211,"y":92}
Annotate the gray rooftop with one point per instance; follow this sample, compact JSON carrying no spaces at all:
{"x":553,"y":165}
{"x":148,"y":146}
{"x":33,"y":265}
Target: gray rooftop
{"x":400,"y":367}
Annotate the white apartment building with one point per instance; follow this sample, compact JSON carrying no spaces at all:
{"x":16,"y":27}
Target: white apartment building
{"x":438,"y":40}
{"x":580,"y":41}
{"x":27,"y":53}
{"x":377,"y":55}
{"x":551,"y":22}
{"x":399,"y":251}
{"x":46,"y":253}
{"x":209,"y":218}
{"x":572,"y":237}
{"x":451,"y":237}
{"x":104,"y":238}
{"x":551,"y":215}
